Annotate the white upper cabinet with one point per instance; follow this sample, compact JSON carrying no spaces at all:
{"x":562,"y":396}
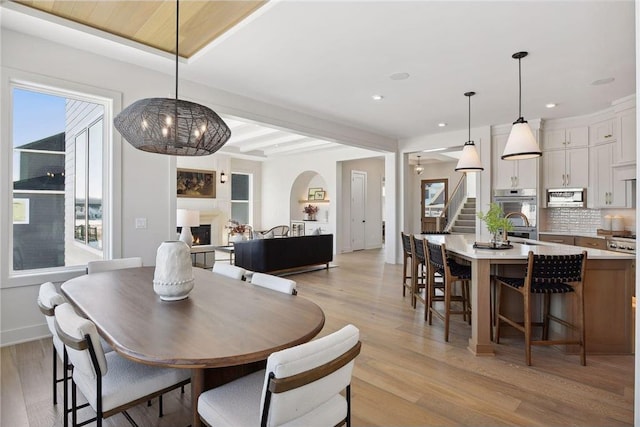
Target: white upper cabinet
{"x":566,"y":168}
{"x":607,"y":192}
{"x":557,"y":139}
{"x":512,"y":173}
{"x":604,"y":131}
{"x":627,"y":141}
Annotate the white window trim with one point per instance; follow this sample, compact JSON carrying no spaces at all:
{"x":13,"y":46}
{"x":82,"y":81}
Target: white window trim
{"x":249,"y":201}
{"x":112,"y":161}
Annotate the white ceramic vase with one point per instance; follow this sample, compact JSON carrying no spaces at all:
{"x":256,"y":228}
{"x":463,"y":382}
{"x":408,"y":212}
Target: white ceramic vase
{"x":173,"y":276}
{"x":236,"y":238}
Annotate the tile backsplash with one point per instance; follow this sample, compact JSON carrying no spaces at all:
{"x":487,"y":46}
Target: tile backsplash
{"x":581,"y":220}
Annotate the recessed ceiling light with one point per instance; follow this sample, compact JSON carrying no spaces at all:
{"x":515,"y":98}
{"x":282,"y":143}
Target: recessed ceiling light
{"x":377,"y":97}
{"x":551,"y":105}
{"x":441,"y":125}
{"x":602,"y":81}
{"x":399,"y":76}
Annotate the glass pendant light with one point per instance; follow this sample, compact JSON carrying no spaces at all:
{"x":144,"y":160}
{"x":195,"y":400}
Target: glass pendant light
{"x":521,"y":143}
{"x":419,"y":168}
{"x":470,"y":160}
{"x":172,"y":126}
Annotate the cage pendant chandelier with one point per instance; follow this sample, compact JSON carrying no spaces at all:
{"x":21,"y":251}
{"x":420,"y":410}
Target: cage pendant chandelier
{"x":521,"y":143}
{"x":469,"y":160}
{"x":172,"y":126}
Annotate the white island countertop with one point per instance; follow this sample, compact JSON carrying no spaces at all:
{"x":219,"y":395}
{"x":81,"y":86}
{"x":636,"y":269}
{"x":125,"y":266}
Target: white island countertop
{"x":462,"y":244}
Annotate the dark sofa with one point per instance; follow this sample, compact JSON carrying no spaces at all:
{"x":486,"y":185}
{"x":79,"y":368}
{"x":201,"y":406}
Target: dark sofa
{"x":284,"y":253}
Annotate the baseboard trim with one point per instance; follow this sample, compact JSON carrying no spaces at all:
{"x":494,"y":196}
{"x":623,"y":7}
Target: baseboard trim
{"x":26,"y":334}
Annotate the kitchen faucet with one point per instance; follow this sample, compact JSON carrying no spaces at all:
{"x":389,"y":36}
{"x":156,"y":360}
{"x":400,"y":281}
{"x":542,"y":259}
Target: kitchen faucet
{"x":521,"y":215}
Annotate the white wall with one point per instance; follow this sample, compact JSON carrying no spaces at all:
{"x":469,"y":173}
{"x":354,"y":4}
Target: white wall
{"x":279,"y":175}
{"x":374,"y":168}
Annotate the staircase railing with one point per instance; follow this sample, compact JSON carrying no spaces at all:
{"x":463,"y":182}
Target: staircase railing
{"x":453,"y":206}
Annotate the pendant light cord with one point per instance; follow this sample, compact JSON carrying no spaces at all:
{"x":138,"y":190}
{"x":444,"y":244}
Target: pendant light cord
{"x":469,"y":119}
{"x":177,"y":30}
{"x":519,"y":88}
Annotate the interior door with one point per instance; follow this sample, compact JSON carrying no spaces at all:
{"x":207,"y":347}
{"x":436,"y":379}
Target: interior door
{"x":433,"y":200}
{"x":358,"y":212}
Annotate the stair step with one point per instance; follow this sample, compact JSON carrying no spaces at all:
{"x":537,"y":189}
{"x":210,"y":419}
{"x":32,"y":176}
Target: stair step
{"x":471,"y":211}
{"x":463,"y":223}
{"x":467,"y":216}
{"x":467,"y":230}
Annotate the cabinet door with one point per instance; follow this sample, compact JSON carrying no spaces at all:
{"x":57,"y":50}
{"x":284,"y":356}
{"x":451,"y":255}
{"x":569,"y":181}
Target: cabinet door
{"x":577,"y":137}
{"x":577,"y":168}
{"x":554,"y":169}
{"x":607,"y":195}
{"x":603,"y":132}
{"x":503,"y":171}
{"x":526,"y":173}
{"x":553,"y":139}
{"x":627,"y":143}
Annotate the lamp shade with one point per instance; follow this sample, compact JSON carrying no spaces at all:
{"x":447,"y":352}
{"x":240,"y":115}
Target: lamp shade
{"x":470,"y":160}
{"x":521,"y":143}
{"x":187,"y":218}
{"x":172,"y":126}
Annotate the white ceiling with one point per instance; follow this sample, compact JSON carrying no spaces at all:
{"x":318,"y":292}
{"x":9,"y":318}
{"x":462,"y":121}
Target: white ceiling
{"x":327,"y":58}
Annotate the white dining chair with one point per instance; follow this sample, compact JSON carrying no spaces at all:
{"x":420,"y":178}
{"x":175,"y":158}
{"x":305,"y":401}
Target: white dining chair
{"x":275,"y":283}
{"x":48,"y":299}
{"x":110,"y":383}
{"x":99,"y":266}
{"x":229,"y":270}
{"x":300,"y":386}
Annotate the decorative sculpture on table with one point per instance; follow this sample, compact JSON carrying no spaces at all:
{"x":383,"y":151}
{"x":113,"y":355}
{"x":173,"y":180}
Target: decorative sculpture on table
{"x":173,"y":276}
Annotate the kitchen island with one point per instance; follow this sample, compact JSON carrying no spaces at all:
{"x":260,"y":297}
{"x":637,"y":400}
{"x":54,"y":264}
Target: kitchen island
{"x":609,"y":288}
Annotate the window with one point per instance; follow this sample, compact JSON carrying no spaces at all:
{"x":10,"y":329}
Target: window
{"x":57,"y":178}
{"x":241,"y":198}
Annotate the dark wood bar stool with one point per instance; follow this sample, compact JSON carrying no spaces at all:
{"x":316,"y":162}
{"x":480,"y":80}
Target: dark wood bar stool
{"x":418,"y":272}
{"x":452,"y":272}
{"x":547,"y":275}
{"x":407,"y":261}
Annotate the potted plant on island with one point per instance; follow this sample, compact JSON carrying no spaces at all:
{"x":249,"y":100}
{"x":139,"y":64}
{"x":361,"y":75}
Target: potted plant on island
{"x":496,"y":223}
{"x":310,"y":212}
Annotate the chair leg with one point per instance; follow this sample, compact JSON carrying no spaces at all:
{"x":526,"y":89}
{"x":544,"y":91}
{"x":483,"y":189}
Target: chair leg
{"x":580,"y":297}
{"x":496,"y":334}
{"x":74,"y":410}
{"x":65,"y":392}
{"x":447,"y":308}
{"x":527,"y":326}
{"x":404,"y":276}
{"x":348,"y":395}
{"x":160,"y":411}
{"x":545,"y":316}
{"x":55,"y":375}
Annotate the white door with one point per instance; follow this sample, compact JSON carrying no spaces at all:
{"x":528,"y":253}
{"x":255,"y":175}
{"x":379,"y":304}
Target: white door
{"x":358,"y":204}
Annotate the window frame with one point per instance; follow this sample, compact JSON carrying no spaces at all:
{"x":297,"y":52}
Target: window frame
{"x":111,"y":161}
{"x":249,"y":200}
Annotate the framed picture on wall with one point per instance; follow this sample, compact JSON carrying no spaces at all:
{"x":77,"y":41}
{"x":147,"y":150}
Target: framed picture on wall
{"x":196,"y":183}
{"x":312,"y":193}
{"x":319,"y":195}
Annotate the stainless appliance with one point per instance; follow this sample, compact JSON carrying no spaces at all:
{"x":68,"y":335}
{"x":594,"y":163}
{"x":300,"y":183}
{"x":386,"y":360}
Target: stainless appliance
{"x":567,"y":198}
{"x":622,"y":244}
{"x":521,"y":206}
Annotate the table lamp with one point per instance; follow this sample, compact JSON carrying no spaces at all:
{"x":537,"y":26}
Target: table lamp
{"x":186,"y":219}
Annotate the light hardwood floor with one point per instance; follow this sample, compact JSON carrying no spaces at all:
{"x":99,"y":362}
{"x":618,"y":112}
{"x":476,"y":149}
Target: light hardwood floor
{"x":406,"y":374}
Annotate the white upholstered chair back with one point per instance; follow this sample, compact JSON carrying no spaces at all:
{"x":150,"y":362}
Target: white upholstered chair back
{"x":228,"y":270}
{"x":113,"y":264}
{"x":69,"y":323}
{"x":275,"y":283}
{"x":49,"y":299}
{"x":298,"y":405}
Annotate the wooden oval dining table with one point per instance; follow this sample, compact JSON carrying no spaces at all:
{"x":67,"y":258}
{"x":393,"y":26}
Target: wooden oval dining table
{"x":226,"y":328}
